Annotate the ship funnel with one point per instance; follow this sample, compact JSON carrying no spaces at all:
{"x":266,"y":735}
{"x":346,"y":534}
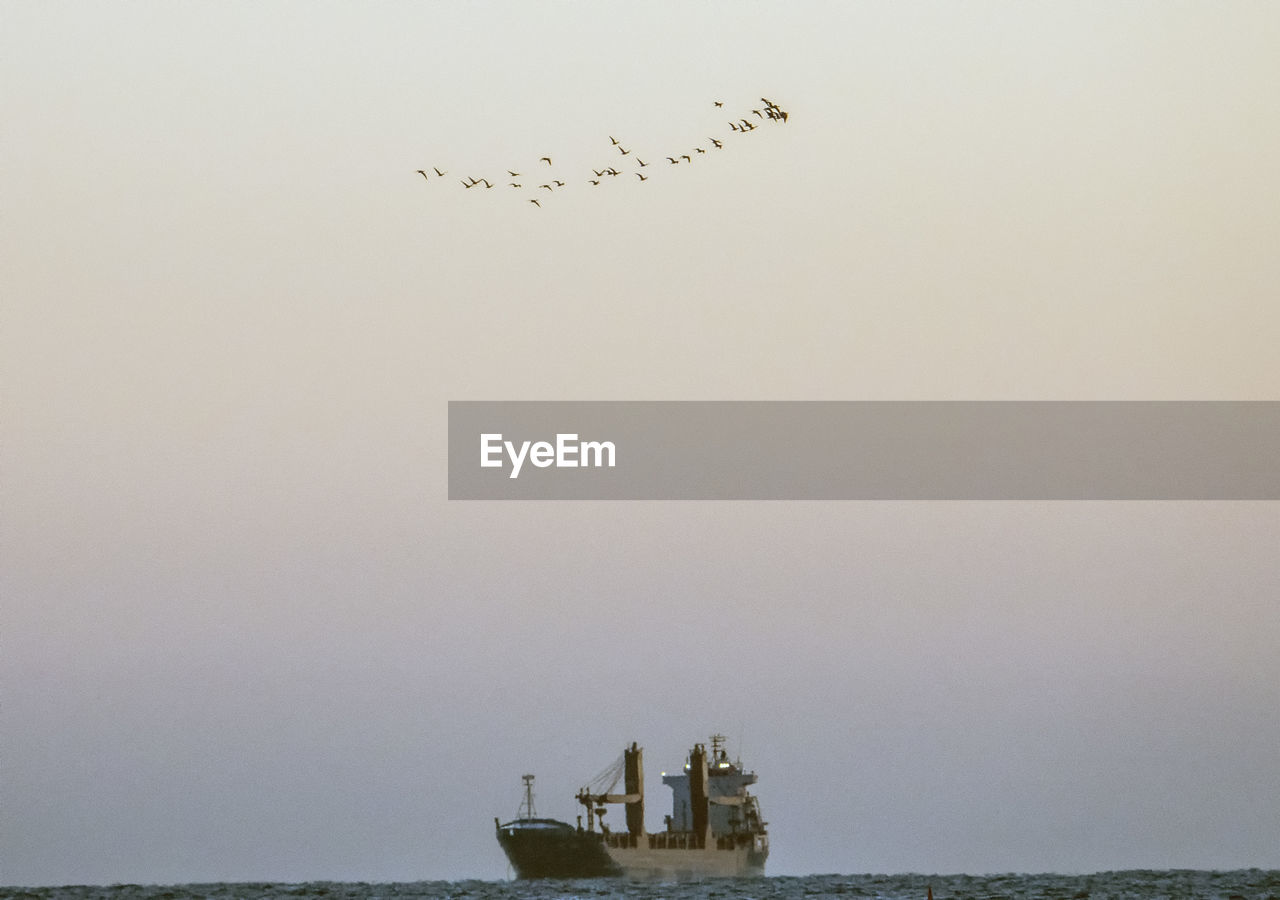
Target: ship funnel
{"x":634,"y":784}
{"x":698,"y":795}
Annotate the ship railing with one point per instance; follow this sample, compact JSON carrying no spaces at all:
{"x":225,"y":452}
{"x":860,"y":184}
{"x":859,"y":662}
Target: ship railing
{"x":621,"y":840}
{"x":674,"y":840}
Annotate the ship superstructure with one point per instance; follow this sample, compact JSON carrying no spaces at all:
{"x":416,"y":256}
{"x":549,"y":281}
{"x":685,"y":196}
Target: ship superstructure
{"x":730,"y":808}
{"x":714,"y":828}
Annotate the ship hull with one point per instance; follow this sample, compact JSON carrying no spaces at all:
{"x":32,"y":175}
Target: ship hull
{"x":648,"y":864}
{"x":566,"y":852}
{"x":550,"y":849}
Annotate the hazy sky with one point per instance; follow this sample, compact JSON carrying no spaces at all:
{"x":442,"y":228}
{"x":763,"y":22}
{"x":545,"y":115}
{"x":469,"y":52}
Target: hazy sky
{"x":245,"y":636}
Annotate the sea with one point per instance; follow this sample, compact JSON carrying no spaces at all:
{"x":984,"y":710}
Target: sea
{"x":1140,"y":884}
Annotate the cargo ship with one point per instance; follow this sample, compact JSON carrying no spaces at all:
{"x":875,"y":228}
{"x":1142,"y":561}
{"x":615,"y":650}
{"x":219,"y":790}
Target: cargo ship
{"x":714,"y":829}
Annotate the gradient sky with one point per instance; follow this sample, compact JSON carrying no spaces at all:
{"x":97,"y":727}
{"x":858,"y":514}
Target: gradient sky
{"x":244,"y":635}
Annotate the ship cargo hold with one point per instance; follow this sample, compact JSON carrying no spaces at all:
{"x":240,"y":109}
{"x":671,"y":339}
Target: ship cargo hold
{"x":714,"y":828}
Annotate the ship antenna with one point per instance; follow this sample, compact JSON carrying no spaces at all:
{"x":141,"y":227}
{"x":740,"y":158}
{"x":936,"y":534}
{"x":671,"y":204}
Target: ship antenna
{"x":527,"y":810}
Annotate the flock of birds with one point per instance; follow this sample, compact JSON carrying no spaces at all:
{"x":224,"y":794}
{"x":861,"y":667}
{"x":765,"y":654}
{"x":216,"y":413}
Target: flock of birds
{"x":543,"y":176}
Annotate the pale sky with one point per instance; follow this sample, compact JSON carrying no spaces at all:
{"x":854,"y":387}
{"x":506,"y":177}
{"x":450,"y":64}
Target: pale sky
{"x":244,"y":635}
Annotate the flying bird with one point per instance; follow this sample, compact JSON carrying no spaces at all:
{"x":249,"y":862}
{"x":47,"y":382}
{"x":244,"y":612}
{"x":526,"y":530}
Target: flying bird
{"x":770,"y":111}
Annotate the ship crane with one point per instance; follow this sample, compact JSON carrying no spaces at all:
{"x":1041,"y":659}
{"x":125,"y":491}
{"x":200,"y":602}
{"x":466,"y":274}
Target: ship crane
{"x":626,"y":768}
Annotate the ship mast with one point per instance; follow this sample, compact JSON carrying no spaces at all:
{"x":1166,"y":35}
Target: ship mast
{"x":526,"y":810}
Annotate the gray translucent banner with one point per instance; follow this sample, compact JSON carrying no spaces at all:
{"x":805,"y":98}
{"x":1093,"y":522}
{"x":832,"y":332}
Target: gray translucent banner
{"x":890,"y":450}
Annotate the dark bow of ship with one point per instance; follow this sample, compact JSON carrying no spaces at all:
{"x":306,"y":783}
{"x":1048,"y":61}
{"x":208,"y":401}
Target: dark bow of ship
{"x":714,"y":829}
